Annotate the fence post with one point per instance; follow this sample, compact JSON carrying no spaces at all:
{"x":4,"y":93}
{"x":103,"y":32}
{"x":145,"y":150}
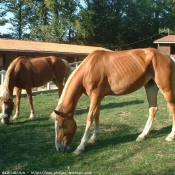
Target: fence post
{"x":2,"y":72}
{"x":48,"y":86}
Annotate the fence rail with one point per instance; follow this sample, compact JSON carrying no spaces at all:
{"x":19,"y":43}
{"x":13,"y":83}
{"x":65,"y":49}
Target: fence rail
{"x":3,"y":72}
{"x":74,"y":65}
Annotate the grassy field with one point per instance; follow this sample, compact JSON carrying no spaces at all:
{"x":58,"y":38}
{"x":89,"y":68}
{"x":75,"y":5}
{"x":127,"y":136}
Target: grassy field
{"x":27,"y":147}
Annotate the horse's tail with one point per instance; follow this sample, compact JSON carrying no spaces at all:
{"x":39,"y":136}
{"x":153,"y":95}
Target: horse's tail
{"x":173,"y":82}
{"x":173,"y":76}
{"x":8,"y":74}
{"x":68,"y":71}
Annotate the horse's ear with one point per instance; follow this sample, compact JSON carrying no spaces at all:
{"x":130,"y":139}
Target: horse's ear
{"x":57,"y":112}
{"x":61,"y":114}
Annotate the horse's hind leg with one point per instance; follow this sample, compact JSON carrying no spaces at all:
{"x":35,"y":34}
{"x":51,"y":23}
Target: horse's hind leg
{"x":171,"y":136}
{"x":169,"y":96}
{"x":59,"y":84}
{"x":30,"y":99}
{"x":18,"y":99}
{"x":151,"y":92}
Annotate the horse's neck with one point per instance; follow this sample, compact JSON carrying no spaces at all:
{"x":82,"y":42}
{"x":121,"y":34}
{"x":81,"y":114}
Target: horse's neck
{"x":8,"y":92}
{"x":8,"y":87}
{"x":70,"y":96}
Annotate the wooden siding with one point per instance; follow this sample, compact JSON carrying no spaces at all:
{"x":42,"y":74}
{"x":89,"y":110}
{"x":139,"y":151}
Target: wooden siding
{"x":10,"y":56}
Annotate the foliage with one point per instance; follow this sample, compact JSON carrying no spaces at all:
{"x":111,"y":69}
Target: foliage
{"x":114,"y":24}
{"x":28,"y":145}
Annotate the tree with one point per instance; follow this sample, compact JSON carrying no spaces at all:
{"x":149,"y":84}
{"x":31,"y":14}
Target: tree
{"x":42,"y":20}
{"x":3,"y":12}
{"x":60,"y":23}
{"x":121,"y":24}
{"x":114,"y":24}
{"x":19,"y":20}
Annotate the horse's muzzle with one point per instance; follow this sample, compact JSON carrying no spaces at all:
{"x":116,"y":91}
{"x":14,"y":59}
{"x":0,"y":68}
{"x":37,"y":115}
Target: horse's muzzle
{"x":62,"y":147}
{"x":4,"y":118}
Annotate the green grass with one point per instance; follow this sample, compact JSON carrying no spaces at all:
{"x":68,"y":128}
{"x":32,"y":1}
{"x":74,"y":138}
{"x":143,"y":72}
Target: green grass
{"x":28,"y":145}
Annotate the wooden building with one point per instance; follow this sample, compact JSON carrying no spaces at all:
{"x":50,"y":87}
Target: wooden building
{"x":166,"y":44}
{"x":11,"y":49}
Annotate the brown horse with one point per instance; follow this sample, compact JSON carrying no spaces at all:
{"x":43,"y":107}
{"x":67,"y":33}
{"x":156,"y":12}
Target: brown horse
{"x":25,"y":73}
{"x":114,"y":73}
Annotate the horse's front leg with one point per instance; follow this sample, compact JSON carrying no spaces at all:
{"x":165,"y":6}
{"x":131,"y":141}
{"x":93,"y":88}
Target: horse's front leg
{"x":30,"y":99}
{"x":18,"y":99}
{"x":96,"y":130}
{"x":93,"y":113}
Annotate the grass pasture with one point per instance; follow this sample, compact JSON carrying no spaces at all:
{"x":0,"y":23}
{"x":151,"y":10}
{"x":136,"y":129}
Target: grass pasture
{"x":27,"y":146}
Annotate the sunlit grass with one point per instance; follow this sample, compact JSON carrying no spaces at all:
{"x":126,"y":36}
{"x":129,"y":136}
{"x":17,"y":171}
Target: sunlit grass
{"x":28,"y":145}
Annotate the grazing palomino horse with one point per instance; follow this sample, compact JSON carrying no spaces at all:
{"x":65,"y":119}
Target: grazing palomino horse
{"x":113,"y":73}
{"x":25,"y":73}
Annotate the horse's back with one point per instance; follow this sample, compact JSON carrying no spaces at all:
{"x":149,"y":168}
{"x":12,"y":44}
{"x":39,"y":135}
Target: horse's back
{"x":36,"y":72}
{"x":122,"y":72}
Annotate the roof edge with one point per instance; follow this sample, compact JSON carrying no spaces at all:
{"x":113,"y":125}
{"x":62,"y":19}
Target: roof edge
{"x":164,"y":42}
{"x":34,"y":51}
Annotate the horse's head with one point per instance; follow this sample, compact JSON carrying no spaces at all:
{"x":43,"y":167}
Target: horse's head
{"x":65,"y":128}
{"x":7,"y":106}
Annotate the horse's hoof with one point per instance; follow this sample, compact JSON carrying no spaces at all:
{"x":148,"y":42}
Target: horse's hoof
{"x":92,"y":141}
{"x":78,"y":151}
{"x":169,"y":138}
{"x":15,"y":117}
{"x":2,"y":121}
{"x":139,"y":138}
{"x":31,"y":117}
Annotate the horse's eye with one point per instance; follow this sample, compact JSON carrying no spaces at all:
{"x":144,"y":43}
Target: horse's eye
{"x":60,"y":126}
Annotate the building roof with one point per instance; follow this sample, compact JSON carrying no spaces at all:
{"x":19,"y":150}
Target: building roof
{"x":166,"y":39}
{"x":45,"y":47}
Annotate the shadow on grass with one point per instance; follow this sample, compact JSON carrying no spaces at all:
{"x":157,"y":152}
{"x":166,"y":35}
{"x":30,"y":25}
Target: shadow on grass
{"x":25,"y":145}
{"x":31,"y":146}
{"x":161,"y":132}
{"x":111,"y":106}
{"x":25,"y":119}
{"x":121,"y":104}
{"x":38,"y":93}
{"x":121,"y":135}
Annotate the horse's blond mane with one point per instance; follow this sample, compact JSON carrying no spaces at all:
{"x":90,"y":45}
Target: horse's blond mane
{"x":10,"y":69}
{"x":66,"y":86}
{"x":68,"y":71}
{"x":70,"y":77}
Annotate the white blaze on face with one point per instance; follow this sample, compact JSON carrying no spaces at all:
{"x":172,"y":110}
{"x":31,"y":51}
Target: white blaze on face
{"x":56,"y":144}
{"x":3,"y":109}
{"x":3,"y":115}
{"x":2,"y":121}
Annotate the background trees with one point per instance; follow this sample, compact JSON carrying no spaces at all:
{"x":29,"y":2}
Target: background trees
{"x":115,"y":24}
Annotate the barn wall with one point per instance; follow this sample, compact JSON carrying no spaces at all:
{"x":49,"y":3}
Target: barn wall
{"x":164,"y":48}
{"x":7,"y":57}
